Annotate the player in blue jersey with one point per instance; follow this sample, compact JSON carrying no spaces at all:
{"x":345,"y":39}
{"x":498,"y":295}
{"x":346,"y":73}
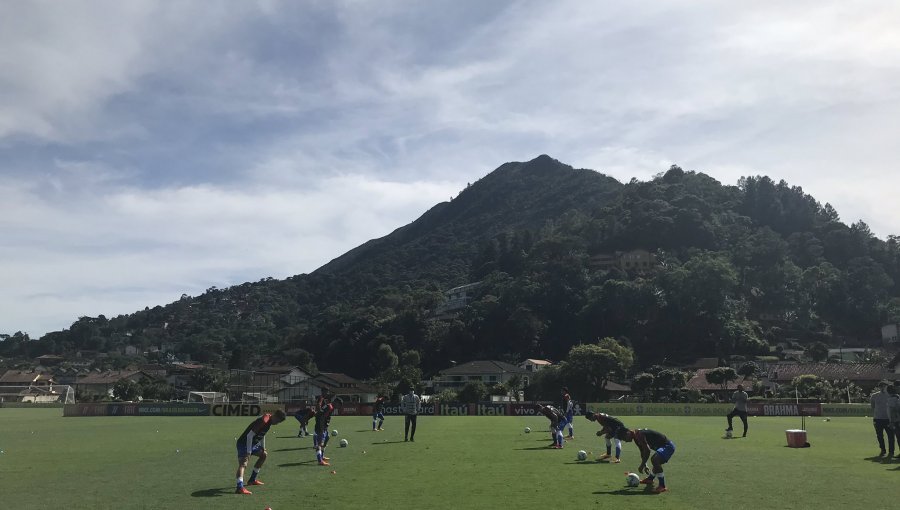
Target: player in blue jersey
{"x":253,"y":442}
{"x":568,"y":408}
{"x":609,"y":427}
{"x":556,"y":418}
{"x":654,"y":446}
{"x":378,"y":413}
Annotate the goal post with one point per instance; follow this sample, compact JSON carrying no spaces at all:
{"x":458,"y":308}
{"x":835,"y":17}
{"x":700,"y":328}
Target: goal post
{"x":34,"y":394}
{"x":207,"y":397}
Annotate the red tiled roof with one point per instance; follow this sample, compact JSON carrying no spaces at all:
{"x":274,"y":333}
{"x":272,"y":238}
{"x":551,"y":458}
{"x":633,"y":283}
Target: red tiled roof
{"x":785,"y":372}
{"x":699,"y":382}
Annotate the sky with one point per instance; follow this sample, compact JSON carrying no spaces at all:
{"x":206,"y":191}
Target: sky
{"x":152,"y":149}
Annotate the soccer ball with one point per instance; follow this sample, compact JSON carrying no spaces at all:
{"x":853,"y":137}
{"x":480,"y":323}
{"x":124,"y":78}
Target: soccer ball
{"x":334,"y":432}
{"x":582,"y":455}
{"x":527,"y":429}
{"x":344,"y":443}
{"x":632,"y":480}
{"x":729,"y":434}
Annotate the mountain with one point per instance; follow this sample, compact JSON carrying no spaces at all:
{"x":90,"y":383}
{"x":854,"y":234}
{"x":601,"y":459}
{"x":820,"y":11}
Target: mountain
{"x":677,"y":267}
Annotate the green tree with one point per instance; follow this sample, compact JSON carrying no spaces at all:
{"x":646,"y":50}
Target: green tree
{"x":472,"y":392}
{"x":721,"y":376}
{"x":126,"y":390}
{"x":589,"y":366}
{"x":817,"y":351}
{"x":642,"y":383}
{"x":749,"y":369}
{"x":208,"y":379}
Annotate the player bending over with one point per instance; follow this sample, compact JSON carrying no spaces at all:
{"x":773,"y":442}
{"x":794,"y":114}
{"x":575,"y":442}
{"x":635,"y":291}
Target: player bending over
{"x":303,"y":416}
{"x":654,"y":446}
{"x":609,"y":426}
{"x":253,"y":442}
{"x":557,"y":421}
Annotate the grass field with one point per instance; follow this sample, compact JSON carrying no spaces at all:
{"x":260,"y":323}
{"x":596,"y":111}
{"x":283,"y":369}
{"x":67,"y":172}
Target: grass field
{"x":456,"y":462}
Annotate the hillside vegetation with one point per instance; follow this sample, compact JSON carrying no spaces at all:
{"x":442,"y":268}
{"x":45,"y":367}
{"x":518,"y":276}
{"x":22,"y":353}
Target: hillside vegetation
{"x":736,"y":270}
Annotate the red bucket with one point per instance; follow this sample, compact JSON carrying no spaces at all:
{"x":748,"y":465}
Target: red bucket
{"x":796,"y":438}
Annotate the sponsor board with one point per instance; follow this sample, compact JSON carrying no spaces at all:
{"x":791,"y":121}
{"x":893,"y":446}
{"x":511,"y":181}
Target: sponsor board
{"x":803,"y":409}
{"x":348,"y":410}
{"x":673,"y":409}
{"x":846,"y":410}
{"x":90,"y":409}
{"x":453,"y":409}
{"x":242,"y":409}
{"x":491,"y":409}
{"x":163,"y":409}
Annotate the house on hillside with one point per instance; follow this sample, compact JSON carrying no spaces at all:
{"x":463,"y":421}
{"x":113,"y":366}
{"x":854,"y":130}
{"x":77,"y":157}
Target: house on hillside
{"x":534,"y":365}
{"x":488,"y":372}
{"x":102,"y":383}
{"x":457,"y":298}
{"x":638,"y":260}
{"x":890,"y":335}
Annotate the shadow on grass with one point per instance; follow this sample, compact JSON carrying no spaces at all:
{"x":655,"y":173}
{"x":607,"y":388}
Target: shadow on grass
{"x":389,"y":442}
{"x":212,"y":493}
{"x":306,"y":463}
{"x":586,"y":463}
{"x":537,"y":448}
{"x":290,"y":437}
{"x":876,"y":459}
{"x":628,"y":492}
{"x":294,"y":449}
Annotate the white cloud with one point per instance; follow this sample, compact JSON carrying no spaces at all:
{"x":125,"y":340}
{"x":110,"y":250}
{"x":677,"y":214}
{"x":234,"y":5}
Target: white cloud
{"x":151,"y":149}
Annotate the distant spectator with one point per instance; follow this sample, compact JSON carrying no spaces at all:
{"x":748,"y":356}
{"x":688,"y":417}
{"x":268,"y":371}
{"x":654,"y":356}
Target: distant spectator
{"x":740,"y":408}
{"x":881,"y":420}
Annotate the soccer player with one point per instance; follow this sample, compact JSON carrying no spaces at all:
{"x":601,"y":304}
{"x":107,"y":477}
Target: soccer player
{"x":303,"y":416}
{"x":654,"y":446}
{"x":253,"y":442}
{"x":568,"y":408}
{"x":740,"y":408}
{"x":412,"y":406}
{"x":556,"y":418}
{"x":609,"y":427}
{"x":320,"y":432}
{"x":378,"y":413}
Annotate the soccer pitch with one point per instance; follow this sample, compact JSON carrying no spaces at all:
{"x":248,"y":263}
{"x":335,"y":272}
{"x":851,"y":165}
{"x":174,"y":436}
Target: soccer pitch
{"x":456,"y":462}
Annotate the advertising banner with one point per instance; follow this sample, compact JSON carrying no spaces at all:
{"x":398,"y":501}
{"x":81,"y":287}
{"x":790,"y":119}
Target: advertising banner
{"x":491,"y":409}
{"x":90,"y":409}
{"x":846,"y":410}
{"x":453,"y":409}
{"x":802,"y":409}
{"x":662,"y":409}
{"x":242,"y":409}
{"x":175,"y":409}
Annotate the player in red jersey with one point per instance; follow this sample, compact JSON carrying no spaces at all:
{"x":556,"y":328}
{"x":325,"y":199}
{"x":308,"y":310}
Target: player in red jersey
{"x":253,"y":442}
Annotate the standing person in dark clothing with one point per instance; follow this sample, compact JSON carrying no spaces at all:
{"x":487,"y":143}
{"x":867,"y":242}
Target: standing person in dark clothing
{"x":740,"y":408}
{"x":378,"y":413}
{"x":412,"y":406}
{"x":253,"y":442}
{"x":654,"y":446}
{"x":556,"y":418}
{"x":610,"y":426}
{"x":320,"y":434}
{"x":881,"y":419}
